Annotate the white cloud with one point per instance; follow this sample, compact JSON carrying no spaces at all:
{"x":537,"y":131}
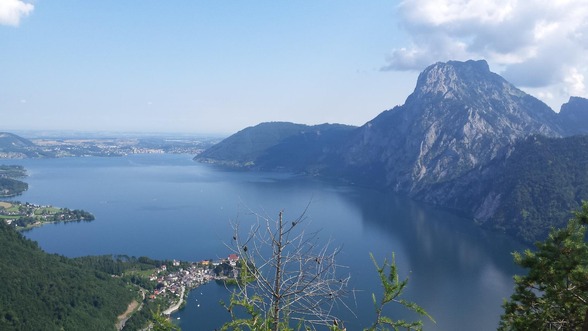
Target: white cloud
{"x":11,"y":11}
{"x":536,"y":43}
{"x":575,"y":81}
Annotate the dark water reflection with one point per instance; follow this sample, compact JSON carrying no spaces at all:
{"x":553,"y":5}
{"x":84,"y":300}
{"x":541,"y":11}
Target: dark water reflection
{"x":167,"y":206}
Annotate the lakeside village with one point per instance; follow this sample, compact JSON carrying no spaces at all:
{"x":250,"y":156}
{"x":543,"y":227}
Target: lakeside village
{"x":26,"y":215}
{"x":173,"y":283}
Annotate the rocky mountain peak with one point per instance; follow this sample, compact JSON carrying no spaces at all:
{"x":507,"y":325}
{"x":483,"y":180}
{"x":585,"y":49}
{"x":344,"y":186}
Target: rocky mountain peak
{"x":574,"y":116}
{"x":575,"y":105}
{"x":442,"y":78}
{"x":470,"y":81}
{"x":460,"y":116}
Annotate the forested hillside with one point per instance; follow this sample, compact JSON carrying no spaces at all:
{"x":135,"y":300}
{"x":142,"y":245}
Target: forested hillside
{"x":542,"y":182}
{"x":279,"y":146}
{"x":9,"y":184}
{"x":50,"y":292}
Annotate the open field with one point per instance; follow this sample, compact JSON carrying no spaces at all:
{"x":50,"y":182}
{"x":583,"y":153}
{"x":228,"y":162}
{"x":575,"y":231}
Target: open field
{"x":4,"y":204}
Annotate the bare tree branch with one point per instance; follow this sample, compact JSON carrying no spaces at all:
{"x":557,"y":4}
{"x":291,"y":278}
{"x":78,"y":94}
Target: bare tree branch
{"x":294,"y":277}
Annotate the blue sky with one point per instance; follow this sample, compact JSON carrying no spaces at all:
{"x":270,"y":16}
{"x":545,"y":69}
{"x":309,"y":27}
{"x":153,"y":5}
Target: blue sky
{"x":220,"y":66}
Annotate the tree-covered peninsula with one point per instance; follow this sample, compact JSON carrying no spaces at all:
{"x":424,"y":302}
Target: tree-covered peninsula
{"x":26,"y":215}
{"x":10,"y":185}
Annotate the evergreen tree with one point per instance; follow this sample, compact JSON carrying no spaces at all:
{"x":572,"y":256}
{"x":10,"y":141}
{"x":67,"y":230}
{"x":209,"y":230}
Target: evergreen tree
{"x":554,"y":293}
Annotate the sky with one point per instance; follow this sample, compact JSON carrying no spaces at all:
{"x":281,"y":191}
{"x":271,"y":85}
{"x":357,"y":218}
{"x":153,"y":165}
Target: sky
{"x":216,"y":67}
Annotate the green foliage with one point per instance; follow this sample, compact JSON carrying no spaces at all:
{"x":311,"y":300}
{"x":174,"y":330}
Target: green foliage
{"x":142,"y":317}
{"x":51,"y":292}
{"x":248,"y":144}
{"x":117,"y":264}
{"x":150,"y":315}
{"x":554,"y":293}
{"x":25,"y":215}
{"x":161,"y":323}
{"x":9,"y":185}
{"x":279,"y":146}
{"x":542,"y":181}
{"x":246,"y":272}
{"x":246,"y":316}
{"x":254,"y":320}
{"x":12,"y":171}
{"x":393,"y":288}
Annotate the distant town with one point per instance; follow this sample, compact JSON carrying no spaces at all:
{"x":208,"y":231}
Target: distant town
{"x":16,"y":147}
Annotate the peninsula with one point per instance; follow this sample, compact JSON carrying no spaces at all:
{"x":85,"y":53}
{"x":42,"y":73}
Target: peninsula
{"x":9,"y":184}
{"x":27,"y":215}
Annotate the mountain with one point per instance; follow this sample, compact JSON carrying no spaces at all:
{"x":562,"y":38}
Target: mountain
{"x":574,"y":116}
{"x":10,"y":142}
{"x":15,"y":146}
{"x":279,"y":146}
{"x":49,"y":292}
{"x":459,"y":117}
{"x":465,"y":139}
{"x":525,"y":193}
{"x":538,"y":186}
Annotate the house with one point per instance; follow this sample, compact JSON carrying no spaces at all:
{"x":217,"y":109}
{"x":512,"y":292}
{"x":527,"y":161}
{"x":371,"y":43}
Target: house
{"x":233,"y":258}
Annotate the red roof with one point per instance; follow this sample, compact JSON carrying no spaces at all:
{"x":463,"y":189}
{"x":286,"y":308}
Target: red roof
{"x":233,"y":257}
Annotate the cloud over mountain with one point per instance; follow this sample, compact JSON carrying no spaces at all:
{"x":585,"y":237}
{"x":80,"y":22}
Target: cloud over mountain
{"x":11,"y":11}
{"x":538,"y":44}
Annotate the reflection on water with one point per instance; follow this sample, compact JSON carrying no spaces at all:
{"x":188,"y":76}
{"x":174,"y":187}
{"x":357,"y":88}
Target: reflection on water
{"x":167,"y":206}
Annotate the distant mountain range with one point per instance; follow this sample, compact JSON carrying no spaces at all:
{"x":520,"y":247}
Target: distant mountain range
{"x":465,"y":139}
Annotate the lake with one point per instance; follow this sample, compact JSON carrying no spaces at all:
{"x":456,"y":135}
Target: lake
{"x":170,"y":207}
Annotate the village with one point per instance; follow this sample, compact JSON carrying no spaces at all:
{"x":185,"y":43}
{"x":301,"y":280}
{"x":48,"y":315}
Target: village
{"x":175,"y":282}
{"x":26,"y":215}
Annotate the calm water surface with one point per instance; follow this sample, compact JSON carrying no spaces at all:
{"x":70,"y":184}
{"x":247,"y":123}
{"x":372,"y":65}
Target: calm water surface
{"x":167,"y":206}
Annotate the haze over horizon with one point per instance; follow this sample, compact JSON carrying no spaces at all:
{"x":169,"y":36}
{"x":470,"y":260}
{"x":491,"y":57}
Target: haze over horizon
{"x":212,"y":67}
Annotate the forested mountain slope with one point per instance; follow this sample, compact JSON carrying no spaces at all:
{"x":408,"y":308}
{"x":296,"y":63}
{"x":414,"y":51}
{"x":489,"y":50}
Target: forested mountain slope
{"x":280,"y":146}
{"x":50,"y":292}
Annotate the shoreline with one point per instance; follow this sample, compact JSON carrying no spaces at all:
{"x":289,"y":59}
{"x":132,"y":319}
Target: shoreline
{"x":175,"y":307}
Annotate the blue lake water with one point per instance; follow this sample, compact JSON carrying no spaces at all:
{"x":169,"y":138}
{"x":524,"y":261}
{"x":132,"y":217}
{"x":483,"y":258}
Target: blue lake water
{"x":170,"y":207}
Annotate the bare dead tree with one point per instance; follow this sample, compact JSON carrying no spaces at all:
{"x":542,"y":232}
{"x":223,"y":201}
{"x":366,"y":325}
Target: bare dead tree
{"x":292,"y":277}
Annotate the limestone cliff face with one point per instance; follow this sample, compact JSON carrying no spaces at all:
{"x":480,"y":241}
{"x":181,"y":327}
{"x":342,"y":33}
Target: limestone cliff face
{"x":459,"y":117}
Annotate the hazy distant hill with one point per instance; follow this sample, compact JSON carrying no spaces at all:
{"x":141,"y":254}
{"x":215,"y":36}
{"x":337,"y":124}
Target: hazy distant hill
{"x":10,"y":142}
{"x":279,"y":146}
{"x":14,"y":146}
{"x":459,"y":141}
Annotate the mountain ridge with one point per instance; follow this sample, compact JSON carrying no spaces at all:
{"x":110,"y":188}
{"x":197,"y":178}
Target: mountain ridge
{"x":456,"y":130}
{"x":261,"y":147}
